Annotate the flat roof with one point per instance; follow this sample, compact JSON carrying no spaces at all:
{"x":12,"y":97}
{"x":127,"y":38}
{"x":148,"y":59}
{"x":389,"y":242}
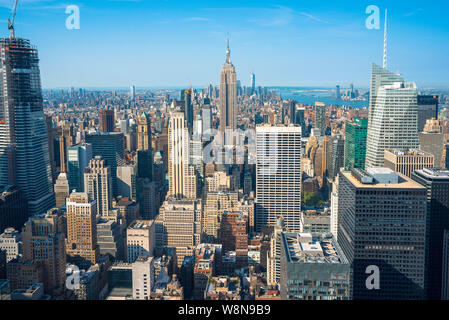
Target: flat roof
{"x":404,"y":183}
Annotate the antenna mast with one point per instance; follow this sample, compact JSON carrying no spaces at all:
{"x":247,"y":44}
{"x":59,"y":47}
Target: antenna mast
{"x":385,"y":41}
{"x":12,"y":19}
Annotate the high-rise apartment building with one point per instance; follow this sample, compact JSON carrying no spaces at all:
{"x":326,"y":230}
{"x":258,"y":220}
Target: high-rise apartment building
{"x":81,"y":243}
{"x":355,"y":143}
{"x":278,"y":176}
{"x":407,"y":161}
{"x":24,"y":150}
{"x":436,"y":182}
{"x":393,"y":123}
{"x":382,"y":227}
{"x":228,"y":96}
{"x":98,"y":185}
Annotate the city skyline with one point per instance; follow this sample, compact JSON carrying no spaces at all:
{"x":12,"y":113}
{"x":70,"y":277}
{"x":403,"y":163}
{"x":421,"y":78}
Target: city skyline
{"x":284,"y":44}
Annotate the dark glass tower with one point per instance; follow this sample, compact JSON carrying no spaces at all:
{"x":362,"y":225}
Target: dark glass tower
{"x":24,"y":153}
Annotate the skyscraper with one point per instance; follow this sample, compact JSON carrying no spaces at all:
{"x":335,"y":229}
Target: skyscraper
{"x":78,"y":159}
{"x":382,"y":224}
{"x":106,"y":119}
{"x":62,"y":190}
{"x":320,"y":117}
{"x":355,"y":143}
{"x":44,"y":245}
{"x":393,"y":122}
{"x":436,"y":182}
{"x":278,"y":176}
{"x":335,"y":156}
{"x":110,"y":146}
{"x":188,"y":109}
{"x":178,"y":155}
{"x":82,"y":230}
{"x":228,"y":95}
{"x":253,"y":83}
{"x":427,"y":109}
{"x":98,"y":185}
{"x":144,"y":148}
{"x":24,"y":151}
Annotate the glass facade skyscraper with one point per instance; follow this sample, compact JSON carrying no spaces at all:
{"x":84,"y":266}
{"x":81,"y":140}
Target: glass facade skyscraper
{"x":355,"y":143}
{"x":24,"y":153}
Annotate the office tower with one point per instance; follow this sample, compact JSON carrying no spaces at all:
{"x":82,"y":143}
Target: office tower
{"x":407,"y":161}
{"x":436,"y":182}
{"x":13,"y":207}
{"x":178,"y":225}
{"x":278,"y":176}
{"x":44,"y":245}
{"x":188,"y":109}
{"x":334,"y":208}
{"x":11,"y":244}
{"x":320,"y":117}
{"x":51,"y":146}
{"x":215,"y":204}
{"x":355,"y":143}
{"x":79,"y":157}
{"x":338,"y":92}
{"x":427,"y":109}
{"x":234,"y":236}
{"x":393,"y":123}
{"x":24,"y":155}
{"x":431,"y":140}
{"x":313,"y":267}
{"x":148,"y":201}
{"x":127,"y":181}
{"x":335,"y":156}
{"x":110,"y":239}
{"x":253,"y":83}
{"x":62,"y":190}
{"x":132,"y":93}
{"x":98,"y":185}
{"x":228,"y":96}
{"x":178,"y":158}
{"x":143,"y":278}
{"x":23,"y":274}
{"x":144,"y":132}
{"x":140,"y":239}
{"x":445,"y":280}
{"x":106,"y":120}
{"x":124,"y":126}
{"x":292,"y":112}
{"x":196,"y":160}
{"x":81,"y":243}
{"x":66,"y":139}
{"x":382,"y":225}
{"x":274,"y":253}
{"x":110,"y":147}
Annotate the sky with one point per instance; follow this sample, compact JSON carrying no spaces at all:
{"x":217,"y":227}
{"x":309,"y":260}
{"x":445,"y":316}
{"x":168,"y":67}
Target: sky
{"x":171,"y":43}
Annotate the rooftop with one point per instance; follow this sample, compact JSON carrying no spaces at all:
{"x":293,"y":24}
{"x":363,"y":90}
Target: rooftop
{"x":363,"y":179}
{"x":309,"y":248}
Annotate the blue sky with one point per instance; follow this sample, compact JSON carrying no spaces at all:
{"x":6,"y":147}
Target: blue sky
{"x":156,"y":43}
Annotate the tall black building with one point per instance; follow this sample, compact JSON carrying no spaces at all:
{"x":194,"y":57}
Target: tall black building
{"x":437,"y":183}
{"x":427,"y":109}
{"x":13,"y":208}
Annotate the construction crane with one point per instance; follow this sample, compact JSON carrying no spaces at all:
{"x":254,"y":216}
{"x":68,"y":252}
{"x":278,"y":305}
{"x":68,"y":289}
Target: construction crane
{"x":12,"y":19}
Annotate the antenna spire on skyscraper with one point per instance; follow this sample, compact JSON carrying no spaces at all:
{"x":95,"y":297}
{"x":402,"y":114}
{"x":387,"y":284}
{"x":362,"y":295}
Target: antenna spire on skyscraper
{"x":385,"y":41}
{"x":228,"y":54}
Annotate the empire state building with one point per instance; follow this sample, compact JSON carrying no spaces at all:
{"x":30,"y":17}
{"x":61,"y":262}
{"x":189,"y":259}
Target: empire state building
{"x":228,"y":96}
